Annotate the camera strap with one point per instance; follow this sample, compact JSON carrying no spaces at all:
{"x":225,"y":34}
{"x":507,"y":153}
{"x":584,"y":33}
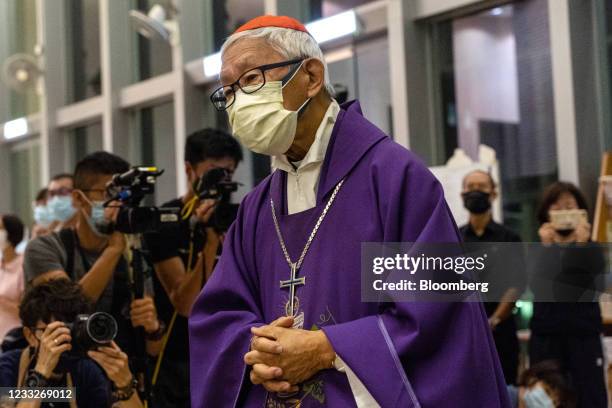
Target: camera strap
{"x":68,"y":239}
{"x":77,"y":245}
{"x":160,"y":356}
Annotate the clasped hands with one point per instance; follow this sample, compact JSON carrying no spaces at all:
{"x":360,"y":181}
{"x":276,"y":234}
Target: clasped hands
{"x":282,"y":357}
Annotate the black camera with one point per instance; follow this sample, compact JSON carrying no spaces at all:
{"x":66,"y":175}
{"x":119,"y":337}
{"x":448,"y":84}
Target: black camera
{"x":217,"y":184}
{"x":91,"y":331}
{"x":88,"y":332}
{"x":130,"y":189}
{"x":132,"y":220}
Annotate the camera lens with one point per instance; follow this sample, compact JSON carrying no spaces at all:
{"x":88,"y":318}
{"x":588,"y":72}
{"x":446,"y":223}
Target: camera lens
{"x":101,"y":327}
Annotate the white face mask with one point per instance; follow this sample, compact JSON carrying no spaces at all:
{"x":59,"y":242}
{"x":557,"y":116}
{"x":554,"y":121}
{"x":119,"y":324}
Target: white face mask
{"x":261,"y":122}
{"x":536,"y":397}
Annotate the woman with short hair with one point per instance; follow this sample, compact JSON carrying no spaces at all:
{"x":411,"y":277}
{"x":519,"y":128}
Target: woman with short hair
{"x":566,"y":324}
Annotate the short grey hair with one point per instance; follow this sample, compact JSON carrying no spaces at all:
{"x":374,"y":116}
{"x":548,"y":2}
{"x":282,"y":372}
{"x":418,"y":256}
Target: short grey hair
{"x":291,"y":44}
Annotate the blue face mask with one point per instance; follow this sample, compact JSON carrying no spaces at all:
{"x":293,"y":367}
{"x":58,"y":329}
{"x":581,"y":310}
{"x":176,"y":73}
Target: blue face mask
{"x":96,"y":220}
{"x":536,"y":397}
{"x":42,"y":215}
{"x":60,"y":208}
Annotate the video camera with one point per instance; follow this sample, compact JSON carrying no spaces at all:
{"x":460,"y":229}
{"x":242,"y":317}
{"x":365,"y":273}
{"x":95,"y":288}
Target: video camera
{"x":130,"y":188}
{"x":217,"y":184}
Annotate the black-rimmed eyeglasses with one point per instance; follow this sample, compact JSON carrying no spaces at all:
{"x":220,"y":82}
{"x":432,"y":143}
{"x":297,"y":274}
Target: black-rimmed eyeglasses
{"x":249,"y":82}
{"x":38,"y":332}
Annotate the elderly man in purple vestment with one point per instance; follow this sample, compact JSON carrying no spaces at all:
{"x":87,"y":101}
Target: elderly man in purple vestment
{"x":281,"y":322}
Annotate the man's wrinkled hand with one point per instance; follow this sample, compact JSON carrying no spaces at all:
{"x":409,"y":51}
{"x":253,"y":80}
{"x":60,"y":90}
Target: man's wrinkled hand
{"x":299,"y":354}
{"x":267,"y":376}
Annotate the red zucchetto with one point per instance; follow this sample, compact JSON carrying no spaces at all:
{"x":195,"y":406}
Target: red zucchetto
{"x":272,"y":21}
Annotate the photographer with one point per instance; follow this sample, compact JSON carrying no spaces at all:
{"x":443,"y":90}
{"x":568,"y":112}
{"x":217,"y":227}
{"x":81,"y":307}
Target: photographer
{"x":184,"y":258}
{"x":44,"y":312}
{"x":94,"y":259}
{"x":48,"y":312}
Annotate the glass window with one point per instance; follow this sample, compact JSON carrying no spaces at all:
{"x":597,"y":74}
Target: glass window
{"x":231,"y":14}
{"x":82,"y":141}
{"x":17,"y":36}
{"x":346,"y":73}
{"x":153,"y":56}
{"x":331,"y":7}
{"x":25,"y":177}
{"x":153,"y":144}
{"x":83,"y":25}
{"x":494,"y":75}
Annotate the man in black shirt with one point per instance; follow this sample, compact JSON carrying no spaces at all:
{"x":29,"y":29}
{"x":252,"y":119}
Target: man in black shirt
{"x":184,"y":258}
{"x":479,"y":191}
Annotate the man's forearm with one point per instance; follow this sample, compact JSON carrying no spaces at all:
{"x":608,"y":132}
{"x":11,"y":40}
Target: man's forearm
{"x":96,"y":279}
{"x":184,"y":287}
{"x":188,"y":289}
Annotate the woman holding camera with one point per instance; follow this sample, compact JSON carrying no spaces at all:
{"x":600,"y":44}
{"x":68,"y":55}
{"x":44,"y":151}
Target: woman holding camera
{"x":46,"y":311}
{"x":55,"y":359}
{"x":566,"y":270}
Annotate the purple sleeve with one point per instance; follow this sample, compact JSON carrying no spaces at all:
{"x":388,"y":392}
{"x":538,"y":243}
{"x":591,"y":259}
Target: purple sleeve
{"x":219,"y":338}
{"x":421,"y":354}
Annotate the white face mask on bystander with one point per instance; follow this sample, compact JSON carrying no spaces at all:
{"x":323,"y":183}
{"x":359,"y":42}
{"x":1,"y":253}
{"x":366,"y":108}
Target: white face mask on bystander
{"x":261,"y":122}
{"x":536,"y":397}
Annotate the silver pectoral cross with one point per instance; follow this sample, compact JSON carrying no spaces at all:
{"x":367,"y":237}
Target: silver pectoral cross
{"x":291,"y":284}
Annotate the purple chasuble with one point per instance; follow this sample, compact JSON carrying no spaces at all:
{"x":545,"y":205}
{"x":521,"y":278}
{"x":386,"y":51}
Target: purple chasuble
{"x":406,"y":354}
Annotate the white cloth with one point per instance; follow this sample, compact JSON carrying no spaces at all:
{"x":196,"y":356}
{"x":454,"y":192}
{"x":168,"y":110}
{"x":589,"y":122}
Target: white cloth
{"x":302,"y":185}
{"x":363,"y":398}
